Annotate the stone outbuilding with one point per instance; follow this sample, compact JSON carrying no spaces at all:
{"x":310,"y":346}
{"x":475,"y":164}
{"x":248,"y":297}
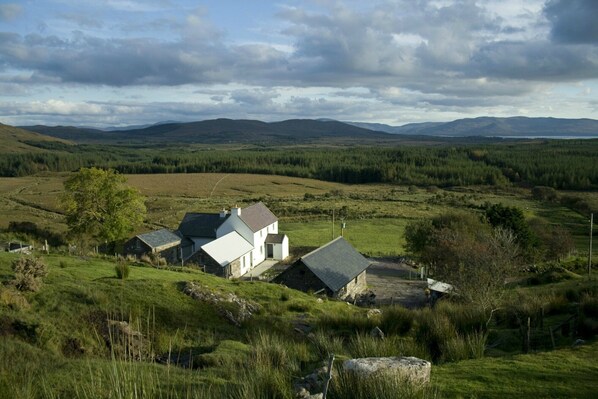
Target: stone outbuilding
{"x":336,"y":269}
{"x":160,"y":242}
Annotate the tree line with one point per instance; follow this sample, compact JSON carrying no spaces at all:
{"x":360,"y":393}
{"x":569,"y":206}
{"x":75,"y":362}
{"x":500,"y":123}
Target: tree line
{"x":568,"y":164}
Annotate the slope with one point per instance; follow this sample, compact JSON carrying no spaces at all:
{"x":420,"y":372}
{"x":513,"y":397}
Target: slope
{"x":16,"y":140}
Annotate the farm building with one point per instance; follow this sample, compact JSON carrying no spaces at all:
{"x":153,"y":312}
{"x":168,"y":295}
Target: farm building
{"x":160,"y":242}
{"x":335,"y":268}
{"x":210,"y":242}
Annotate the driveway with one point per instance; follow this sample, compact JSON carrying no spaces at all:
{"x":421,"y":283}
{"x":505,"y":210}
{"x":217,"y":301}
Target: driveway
{"x":395,"y":282}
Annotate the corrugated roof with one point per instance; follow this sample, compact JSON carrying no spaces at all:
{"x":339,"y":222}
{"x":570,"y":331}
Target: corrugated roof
{"x":336,"y":263}
{"x":201,"y":224}
{"x":257,"y":216}
{"x":159,"y":238}
{"x":227,"y":248}
{"x":275,"y":238}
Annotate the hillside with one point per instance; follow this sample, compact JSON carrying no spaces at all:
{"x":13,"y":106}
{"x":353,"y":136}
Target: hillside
{"x":15,"y":140}
{"x":69,"y":339}
{"x":220,"y":131}
{"x":495,"y":127}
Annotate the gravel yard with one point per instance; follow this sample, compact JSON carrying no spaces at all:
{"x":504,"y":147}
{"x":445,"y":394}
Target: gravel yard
{"x":395,"y":282}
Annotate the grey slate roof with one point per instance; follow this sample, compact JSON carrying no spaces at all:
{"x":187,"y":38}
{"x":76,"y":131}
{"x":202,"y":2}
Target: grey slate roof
{"x":336,"y":263}
{"x":159,"y":238}
{"x":201,"y":224}
{"x":274,"y":238}
{"x":257,"y":216}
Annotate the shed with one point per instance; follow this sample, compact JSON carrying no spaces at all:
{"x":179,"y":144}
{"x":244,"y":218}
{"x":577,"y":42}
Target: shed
{"x":162,"y":242}
{"x":335,"y":268}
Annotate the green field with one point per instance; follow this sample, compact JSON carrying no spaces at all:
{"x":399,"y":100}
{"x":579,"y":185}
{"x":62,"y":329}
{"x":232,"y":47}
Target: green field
{"x":52,"y":344}
{"x":375,"y":214}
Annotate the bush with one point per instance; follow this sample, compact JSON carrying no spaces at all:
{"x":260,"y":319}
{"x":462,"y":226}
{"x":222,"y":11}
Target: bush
{"x":122,"y":270}
{"x":29,"y":273}
{"x":397,"y":320}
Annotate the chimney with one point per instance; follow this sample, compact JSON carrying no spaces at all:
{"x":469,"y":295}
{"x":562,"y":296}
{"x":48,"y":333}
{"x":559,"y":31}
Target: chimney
{"x":223,"y":213}
{"x":235,"y":211}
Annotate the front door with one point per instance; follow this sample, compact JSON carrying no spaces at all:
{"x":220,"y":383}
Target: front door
{"x":269,"y":250}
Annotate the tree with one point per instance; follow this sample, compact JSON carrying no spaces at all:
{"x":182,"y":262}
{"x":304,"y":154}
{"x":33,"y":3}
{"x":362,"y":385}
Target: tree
{"x":468,"y":253}
{"x":511,"y":218}
{"x":98,"y":205}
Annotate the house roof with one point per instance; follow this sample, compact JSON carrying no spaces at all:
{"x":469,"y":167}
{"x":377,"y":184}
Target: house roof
{"x":336,"y":263}
{"x":227,"y":248}
{"x":201,"y":224}
{"x":275,"y":238}
{"x":159,"y":238}
{"x":257,"y":216}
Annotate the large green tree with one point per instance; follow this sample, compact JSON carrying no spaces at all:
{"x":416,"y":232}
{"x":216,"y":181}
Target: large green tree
{"x":100,"y":206}
{"x":467,"y":252}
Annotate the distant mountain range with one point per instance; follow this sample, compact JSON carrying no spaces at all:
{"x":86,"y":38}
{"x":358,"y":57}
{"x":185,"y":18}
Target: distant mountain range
{"x":222,"y":131}
{"x":517,"y":126}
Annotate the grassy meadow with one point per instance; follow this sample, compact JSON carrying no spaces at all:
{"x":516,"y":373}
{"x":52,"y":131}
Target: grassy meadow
{"x":55,"y":345}
{"x":375,"y":214}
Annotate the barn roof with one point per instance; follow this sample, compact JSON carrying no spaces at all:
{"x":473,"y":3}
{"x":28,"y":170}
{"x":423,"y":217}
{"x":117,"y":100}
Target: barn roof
{"x":336,"y":263}
{"x":159,"y":238}
{"x":257,"y":216}
{"x":201,"y":224}
{"x":227,"y":248}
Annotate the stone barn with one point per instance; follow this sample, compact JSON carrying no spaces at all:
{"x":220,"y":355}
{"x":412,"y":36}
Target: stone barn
{"x":336,"y":269}
{"x":161,"y":242}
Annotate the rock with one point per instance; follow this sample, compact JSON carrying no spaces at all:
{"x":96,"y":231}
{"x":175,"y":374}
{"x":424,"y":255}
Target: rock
{"x":377,"y":333}
{"x":373,"y":313}
{"x":319,"y":300}
{"x":578,"y":342}
{"x":410,"y":368}
{"x":302,"y":393}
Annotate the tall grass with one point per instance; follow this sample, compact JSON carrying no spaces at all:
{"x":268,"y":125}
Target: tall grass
{"x":348,"y":385}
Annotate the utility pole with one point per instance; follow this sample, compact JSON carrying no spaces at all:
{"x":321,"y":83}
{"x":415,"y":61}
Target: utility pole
{"x":333,"y":223}
{"x":590,"y":249}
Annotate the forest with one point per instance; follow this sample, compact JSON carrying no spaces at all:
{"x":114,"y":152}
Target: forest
{"x":560,"y":164}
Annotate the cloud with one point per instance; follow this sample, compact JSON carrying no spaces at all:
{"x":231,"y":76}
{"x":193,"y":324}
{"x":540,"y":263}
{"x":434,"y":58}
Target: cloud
{"x":9,"y":11}
{"x":573,"y":21}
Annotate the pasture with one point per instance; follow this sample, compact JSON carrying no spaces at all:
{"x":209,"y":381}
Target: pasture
{"x":375,"y":214}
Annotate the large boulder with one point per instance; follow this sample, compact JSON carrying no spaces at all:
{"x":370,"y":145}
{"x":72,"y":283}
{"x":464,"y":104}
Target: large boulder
{"x":409,"y":368}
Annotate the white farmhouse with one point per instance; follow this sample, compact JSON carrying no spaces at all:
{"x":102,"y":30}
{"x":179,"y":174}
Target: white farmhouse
{"x":231,"y":244}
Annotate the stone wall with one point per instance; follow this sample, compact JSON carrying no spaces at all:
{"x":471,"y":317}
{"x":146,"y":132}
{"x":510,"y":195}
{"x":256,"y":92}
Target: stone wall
{"x":232,"y":270}
{"x":299,"y":277}
{"x":354,"y":287}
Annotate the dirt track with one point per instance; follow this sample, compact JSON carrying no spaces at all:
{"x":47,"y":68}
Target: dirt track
{"x":395,"y":282}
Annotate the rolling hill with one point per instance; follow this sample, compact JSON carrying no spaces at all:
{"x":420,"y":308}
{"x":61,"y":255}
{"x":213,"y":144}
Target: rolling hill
{"x":219,"y":131}
{"x":15,"y":140}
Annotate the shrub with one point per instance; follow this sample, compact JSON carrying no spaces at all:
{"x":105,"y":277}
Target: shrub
{"x":122,"y":270}
{"x":397,"y":320}
{"x":29,"y":273}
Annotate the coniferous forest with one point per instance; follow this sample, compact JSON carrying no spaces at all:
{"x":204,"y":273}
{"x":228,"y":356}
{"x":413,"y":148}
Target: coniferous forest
{"x":560,"y":164}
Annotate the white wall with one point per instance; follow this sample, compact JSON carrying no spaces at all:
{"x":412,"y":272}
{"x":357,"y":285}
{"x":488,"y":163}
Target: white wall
{"x":257,"y":239}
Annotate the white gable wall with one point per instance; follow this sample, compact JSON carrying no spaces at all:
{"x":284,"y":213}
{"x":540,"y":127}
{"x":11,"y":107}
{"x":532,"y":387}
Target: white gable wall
{"x":257,"y":239}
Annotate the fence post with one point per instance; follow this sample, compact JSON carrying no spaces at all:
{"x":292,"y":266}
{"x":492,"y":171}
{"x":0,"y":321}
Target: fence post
{"x":527,"y":336}
{"x":328,"y":376}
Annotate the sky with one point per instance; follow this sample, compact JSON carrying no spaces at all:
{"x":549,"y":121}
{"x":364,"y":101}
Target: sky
{"x":107,"y":63}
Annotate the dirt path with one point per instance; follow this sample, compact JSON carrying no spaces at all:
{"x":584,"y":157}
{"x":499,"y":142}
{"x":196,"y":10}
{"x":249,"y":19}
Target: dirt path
{"x":395,"y":282}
